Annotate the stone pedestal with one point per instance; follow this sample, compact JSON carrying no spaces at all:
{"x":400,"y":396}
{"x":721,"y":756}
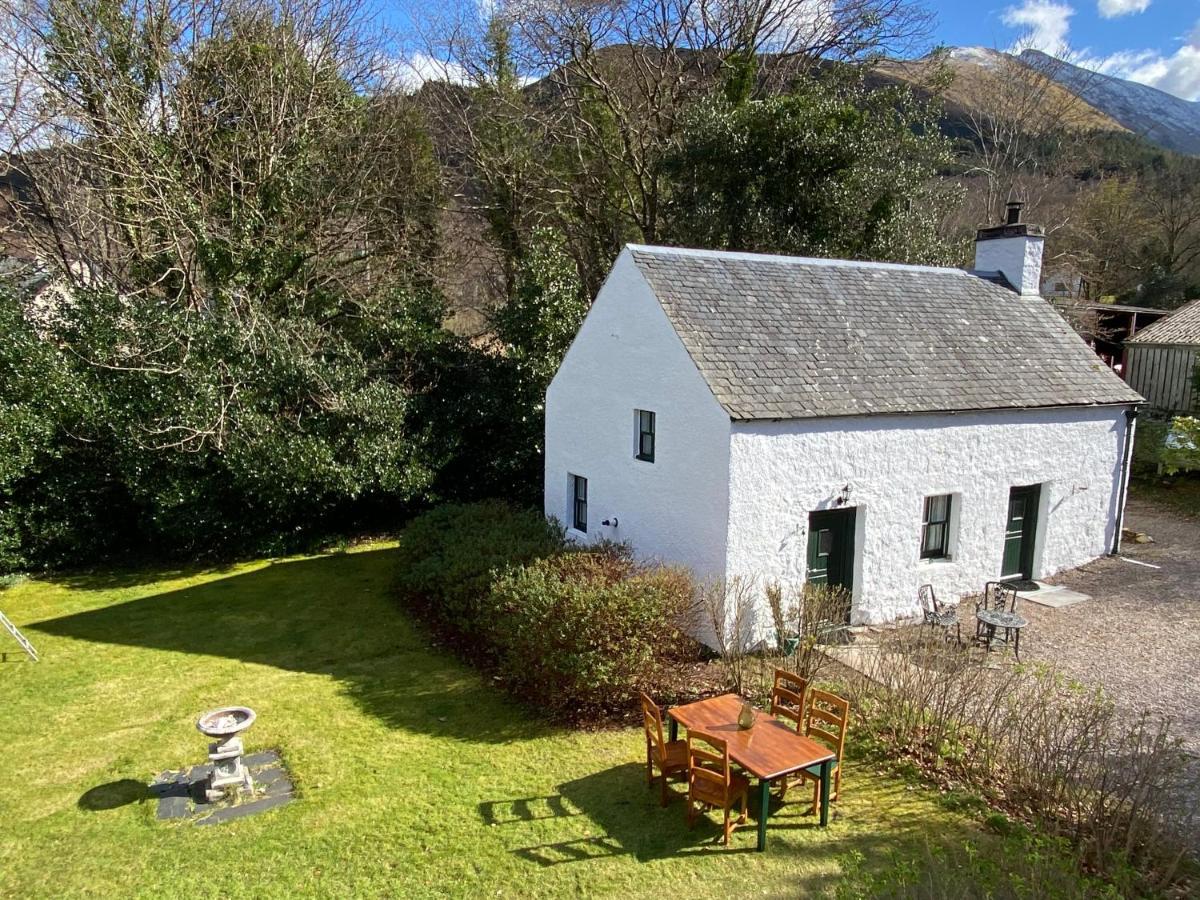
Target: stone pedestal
{"x":229,"y":772}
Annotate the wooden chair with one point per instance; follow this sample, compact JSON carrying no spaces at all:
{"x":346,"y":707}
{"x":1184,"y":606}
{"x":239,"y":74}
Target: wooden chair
{"x":787,"y":702}
{"x":711,"y":785}
{"x":937,"y":614}
{"x":669,"y":757}
{"x":828,"y":721}
{"x":787,"y":697}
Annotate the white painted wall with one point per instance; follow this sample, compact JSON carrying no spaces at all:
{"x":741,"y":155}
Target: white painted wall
{"x":779,"y":471}
{"x":1019,"y":258}
{"x":627,"y":356}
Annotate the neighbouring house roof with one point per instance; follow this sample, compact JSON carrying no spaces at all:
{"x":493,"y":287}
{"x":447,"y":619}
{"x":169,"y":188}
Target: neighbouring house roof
{"x":781,"y":337}
{"x":1180,"y":327}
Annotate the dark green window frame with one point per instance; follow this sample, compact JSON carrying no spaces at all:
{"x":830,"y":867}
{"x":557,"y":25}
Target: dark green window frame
{"x":935,"y":526}
{"x":645,"y":444}
{"x":579,"y":503}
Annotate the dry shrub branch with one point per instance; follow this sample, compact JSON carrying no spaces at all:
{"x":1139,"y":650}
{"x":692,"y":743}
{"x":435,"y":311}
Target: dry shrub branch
{"x":1042,"y":746}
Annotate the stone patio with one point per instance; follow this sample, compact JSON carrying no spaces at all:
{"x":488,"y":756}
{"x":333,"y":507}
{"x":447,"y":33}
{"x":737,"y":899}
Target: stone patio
{"x":181,"y":794}
{"x":1054,"y":596}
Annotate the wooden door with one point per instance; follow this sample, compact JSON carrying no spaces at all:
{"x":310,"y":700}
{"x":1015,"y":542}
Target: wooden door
{"x":831,"y":548}
{"x":1020,"y":530}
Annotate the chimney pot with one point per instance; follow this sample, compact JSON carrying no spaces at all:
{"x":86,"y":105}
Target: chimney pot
{"x":1013,"y":212}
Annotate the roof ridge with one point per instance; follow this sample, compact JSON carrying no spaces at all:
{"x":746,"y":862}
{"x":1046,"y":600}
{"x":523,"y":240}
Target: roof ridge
{"x":795,"y":260}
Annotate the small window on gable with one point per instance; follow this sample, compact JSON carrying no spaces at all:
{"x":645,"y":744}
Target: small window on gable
{"x":645,"y":435}
{"x":935,"y":527}
{"x":579,"y":503}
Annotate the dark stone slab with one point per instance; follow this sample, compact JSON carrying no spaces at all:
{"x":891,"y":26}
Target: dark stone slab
{"x":242,"y":810}
{"x":181,"y":795}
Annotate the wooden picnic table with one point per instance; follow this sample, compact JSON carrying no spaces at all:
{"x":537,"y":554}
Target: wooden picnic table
{"x":767,"y":750}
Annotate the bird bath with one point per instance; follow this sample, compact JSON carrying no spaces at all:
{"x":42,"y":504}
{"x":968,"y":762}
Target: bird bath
{"x":228,"y":771}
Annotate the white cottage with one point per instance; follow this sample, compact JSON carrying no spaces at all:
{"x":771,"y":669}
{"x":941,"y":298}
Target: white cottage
{"x":870,"y":425}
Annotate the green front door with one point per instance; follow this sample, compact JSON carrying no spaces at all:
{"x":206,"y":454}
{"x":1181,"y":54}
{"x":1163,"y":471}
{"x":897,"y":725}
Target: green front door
{"x":1020,"y":531}
{"x":831,"y":548}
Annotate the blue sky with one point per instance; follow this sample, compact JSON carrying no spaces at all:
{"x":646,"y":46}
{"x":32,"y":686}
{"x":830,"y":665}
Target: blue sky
{"x":1156,"y":42}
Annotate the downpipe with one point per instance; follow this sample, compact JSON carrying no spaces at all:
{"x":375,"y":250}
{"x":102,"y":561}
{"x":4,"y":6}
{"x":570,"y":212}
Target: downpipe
{"x":1131,"y":415}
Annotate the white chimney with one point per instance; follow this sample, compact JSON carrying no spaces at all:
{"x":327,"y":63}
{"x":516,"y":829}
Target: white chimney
{"x":1013,"y":249}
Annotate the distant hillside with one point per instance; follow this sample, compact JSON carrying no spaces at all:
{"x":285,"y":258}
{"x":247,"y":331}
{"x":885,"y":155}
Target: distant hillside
{"x":1105,"y":103}
{"x":1156,"y":115}
{"x":971,"y":70}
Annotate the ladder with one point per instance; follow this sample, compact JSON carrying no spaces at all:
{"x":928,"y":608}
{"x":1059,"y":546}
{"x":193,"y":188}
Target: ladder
{"x":15,"y":632}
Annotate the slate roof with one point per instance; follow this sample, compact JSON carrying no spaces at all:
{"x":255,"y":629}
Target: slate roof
{"x":1180,"y":327}
{"x":789,"y":338}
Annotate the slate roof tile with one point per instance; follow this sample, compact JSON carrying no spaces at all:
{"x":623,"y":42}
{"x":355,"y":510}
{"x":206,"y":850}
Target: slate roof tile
{"x":787,"y":337}
{"x":1180,"y":327}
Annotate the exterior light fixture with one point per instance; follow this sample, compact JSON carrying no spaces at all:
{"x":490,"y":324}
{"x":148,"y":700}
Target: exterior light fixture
{"x":844,"y":497}
{"x":611,"y":523}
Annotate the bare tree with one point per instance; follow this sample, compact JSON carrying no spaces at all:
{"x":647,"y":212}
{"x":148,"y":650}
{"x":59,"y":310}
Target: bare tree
{"x":166,"y":135}
{"x":609,"y":81}
{"x":1172,"y":206}
{"x":1104,"y":239}
{"x":1025,"y":127}
{"x":217,"y":161}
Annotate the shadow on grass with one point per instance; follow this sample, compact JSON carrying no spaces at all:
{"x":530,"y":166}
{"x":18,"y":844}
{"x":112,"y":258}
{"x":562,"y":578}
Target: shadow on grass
{"x":113,"y":795}
{"x":133,"y":575}
{"x":631,"y":823}
{"x":331,"y":615}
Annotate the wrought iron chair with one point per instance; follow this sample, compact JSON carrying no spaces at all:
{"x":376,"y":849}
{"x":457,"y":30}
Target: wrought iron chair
{"x":937,"y":614}
{"x":999,"y":596}
{"x":669,"y":757}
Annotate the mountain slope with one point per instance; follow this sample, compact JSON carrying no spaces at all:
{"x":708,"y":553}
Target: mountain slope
{"x":1159,"y":117}
{"x":974,"y":72}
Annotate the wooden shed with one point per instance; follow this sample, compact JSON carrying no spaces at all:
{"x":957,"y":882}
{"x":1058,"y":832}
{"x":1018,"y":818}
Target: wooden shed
{"x":1162,"y":360}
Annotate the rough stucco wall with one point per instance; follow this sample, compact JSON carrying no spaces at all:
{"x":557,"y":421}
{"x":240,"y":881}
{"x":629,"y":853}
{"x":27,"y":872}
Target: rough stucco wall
{"x":1019,"y":258}
{"x":627,"y":356}
{"x":779,"y":471}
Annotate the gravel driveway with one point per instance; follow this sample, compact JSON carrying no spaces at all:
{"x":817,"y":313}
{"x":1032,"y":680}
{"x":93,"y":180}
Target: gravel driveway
{"x":1140,"y":634}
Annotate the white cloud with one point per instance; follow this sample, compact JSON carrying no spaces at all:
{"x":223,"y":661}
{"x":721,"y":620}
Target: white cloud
{"x":1177,"y":73}
{"x":415,"y":69}
{"x":1045,"y":24}
{"x":1111,"y":9}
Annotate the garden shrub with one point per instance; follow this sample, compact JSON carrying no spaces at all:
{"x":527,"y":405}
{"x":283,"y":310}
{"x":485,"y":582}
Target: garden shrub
{"x":584,"y":631}
{"x":1040,"y":745}
{"x":1166,"y":446}
{"x":448,"y":558}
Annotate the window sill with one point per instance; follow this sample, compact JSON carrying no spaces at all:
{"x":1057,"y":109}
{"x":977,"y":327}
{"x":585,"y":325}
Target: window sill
{"x":572,"y":531}
{"x":939,"y":561}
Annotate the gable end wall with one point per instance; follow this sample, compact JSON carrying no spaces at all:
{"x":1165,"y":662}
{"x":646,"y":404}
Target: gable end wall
{"x":627,"y":356}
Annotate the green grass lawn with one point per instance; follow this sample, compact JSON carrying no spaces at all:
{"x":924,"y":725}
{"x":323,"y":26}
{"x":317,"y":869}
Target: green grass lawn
{"x":416,"y":777}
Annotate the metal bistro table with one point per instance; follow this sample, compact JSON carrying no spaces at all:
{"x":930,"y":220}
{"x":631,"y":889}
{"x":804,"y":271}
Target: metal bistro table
{"x":1009,"y":621}
{"x":768,"y":749}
